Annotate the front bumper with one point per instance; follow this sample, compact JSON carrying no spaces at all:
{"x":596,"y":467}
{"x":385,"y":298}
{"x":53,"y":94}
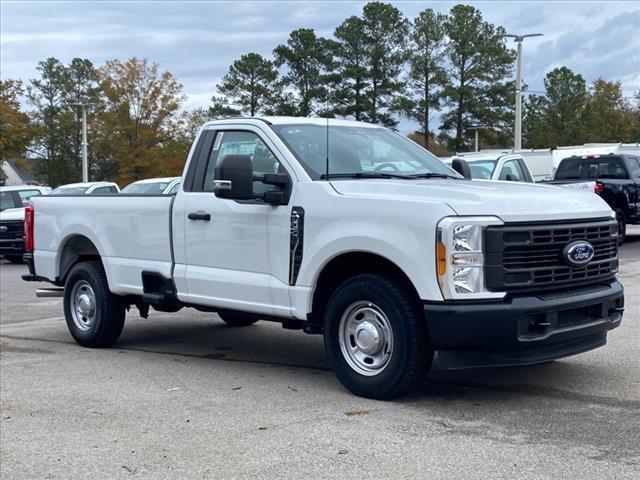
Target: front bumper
{"x":11,"y":246}
{"x":524,"y":330}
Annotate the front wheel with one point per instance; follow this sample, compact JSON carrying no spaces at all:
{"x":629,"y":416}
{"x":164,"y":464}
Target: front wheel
{"x":376,"y":338}
{"x":94,"y":315}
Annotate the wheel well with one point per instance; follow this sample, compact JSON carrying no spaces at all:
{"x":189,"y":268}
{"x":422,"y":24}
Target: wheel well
{"x":77,"y":248}
{"x":345,"y":266}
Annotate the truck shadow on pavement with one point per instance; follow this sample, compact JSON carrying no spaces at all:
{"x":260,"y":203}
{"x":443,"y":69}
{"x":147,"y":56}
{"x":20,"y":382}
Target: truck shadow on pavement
{"x":267,"y":344}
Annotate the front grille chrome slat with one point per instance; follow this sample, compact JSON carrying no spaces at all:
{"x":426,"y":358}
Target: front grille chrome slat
{"x":530,"y":257}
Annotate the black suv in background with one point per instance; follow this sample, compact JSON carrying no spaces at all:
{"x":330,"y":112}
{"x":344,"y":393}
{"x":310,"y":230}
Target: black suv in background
{"x":617,"y":181}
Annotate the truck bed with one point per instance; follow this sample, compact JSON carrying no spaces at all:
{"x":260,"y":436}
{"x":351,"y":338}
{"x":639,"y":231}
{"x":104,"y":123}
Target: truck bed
{"x":134,"y":234}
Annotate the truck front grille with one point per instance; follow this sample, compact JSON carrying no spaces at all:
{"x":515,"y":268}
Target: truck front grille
{"x":11,"y":230}
{"x":530,"y":257}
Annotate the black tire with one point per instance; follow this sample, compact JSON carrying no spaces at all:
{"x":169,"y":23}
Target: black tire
{"x":622,"y":226}
{"x":17,"y":259}
{"x":237,"y":319}
{"x":109,"y":310}
{"x":410,"y":354}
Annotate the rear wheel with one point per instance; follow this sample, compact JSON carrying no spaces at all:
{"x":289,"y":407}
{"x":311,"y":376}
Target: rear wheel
{"x":237,"y":319}
{"x":14,"y":258}
{"x":94,"y":315}
{"x":622,"y":226}
{"x":376,"y":338}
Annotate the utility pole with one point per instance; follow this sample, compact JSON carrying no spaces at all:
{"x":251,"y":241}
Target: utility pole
{"x":517,"y":141}
{"x":85,"y":162}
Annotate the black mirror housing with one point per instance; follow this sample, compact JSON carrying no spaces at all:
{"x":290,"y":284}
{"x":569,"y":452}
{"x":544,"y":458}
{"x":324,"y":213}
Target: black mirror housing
{"x":462,"y":167}
{"x":233,"y":178}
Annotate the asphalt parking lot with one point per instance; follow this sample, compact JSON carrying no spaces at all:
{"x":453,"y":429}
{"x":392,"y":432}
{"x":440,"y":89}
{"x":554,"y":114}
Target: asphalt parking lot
{"x":184,"y":396}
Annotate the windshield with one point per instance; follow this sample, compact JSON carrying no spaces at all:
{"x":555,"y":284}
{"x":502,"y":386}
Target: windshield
{"x":358,"y":152}
{"x":7,"y":201}
{"x":482,"y":170}
{"x":69,"y":191}
{"x":147,"y":188}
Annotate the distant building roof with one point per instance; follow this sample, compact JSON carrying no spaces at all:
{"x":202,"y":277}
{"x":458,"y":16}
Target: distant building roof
{"x":24,"y":174}
{"x":12,"y":174}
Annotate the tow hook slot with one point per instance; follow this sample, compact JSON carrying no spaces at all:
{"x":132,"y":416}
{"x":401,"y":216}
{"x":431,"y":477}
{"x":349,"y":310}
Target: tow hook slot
{"x":539,"y":324}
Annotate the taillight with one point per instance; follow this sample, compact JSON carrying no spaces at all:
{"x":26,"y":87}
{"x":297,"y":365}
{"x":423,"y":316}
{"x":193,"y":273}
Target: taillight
{"x":29,"y":216}
{"x":598,"y":188}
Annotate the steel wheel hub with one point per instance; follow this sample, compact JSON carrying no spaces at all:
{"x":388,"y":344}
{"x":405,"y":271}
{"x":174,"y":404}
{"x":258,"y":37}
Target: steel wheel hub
{"x":83,"y":305}
{"x":366,"y":338}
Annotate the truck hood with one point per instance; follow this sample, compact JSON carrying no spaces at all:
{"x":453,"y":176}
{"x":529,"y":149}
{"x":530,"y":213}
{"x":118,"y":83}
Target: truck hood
{"x":512,"y":202}
{"x":12,"y":214}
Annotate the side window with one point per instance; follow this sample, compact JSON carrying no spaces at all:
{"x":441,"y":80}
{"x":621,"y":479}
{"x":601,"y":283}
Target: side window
{"x":113,"y":189}
{"x":526,"y":173}
{"x":25,"y":196}
{"x":174,"y":189}
{"x":101,"y":190}
{"x":242,"y":143}
{"x":512,"y":171}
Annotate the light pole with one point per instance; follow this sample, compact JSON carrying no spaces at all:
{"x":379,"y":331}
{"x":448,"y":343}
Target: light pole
{"x":85,"y":163}
{"x":517,"y":142}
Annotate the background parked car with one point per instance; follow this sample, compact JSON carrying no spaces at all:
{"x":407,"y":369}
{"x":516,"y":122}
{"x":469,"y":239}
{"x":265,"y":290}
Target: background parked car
{"x":12,"y":202}
{"x":89,"y":188}
{"x":488,"y":166}
{"x":154,"y":186}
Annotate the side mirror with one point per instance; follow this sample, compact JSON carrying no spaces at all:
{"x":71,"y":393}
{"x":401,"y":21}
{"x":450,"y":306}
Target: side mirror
{"x":462,"y":167}
{"x":509,"y":177}
{"x":233,"y":178}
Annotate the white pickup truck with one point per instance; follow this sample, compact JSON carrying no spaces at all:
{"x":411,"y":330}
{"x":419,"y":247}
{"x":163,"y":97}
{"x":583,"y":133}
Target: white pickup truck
{"x":345,"y":229}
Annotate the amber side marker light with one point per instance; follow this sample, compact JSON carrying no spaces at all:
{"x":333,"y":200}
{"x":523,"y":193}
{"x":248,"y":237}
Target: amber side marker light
{"x":441,"y":251}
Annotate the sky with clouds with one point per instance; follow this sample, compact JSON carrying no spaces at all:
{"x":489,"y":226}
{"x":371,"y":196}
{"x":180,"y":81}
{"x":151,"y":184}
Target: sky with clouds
{"x":198,"y":40}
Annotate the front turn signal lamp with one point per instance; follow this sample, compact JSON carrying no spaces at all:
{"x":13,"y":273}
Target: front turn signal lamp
{"x":460,"y":258}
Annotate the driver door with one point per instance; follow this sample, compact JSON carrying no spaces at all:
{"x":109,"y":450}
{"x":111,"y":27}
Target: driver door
{"x":236,"y":252}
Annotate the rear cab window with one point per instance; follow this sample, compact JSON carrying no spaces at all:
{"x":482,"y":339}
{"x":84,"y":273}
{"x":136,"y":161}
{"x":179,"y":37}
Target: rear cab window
{"x":578,"y":168}
{"x":25,"y":196}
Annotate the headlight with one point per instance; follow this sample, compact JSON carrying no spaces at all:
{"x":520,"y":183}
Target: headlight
{"x":460,"y":258}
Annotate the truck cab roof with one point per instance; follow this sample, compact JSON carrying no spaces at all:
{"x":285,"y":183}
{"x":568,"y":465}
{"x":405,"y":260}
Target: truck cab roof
{"x":284,"y":120}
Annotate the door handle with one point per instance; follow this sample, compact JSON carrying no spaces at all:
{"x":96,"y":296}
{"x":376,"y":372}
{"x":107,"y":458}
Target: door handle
{"x":199,"y":215}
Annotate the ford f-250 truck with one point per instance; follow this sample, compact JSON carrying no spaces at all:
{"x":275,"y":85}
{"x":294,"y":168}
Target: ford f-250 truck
{"x":345,"y":229}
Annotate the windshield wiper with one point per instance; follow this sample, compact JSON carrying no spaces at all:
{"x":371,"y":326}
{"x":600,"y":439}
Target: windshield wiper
{"x":434,"y":175}
{"x":367,"y":175}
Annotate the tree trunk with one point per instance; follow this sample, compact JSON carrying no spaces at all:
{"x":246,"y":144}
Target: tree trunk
{"x":459,"y":122}
{"x":374,"y":93}
{"x":356,"y":113}
{"x":426,"y":111}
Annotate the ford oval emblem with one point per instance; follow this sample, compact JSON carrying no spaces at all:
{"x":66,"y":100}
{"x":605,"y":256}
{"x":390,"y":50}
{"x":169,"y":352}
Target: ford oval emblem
{"x":3,"y":229}
{"x":578,"y":254}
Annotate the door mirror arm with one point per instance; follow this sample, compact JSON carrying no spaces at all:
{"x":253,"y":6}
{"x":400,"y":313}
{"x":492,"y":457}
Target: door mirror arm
{"x":279,"y":180}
